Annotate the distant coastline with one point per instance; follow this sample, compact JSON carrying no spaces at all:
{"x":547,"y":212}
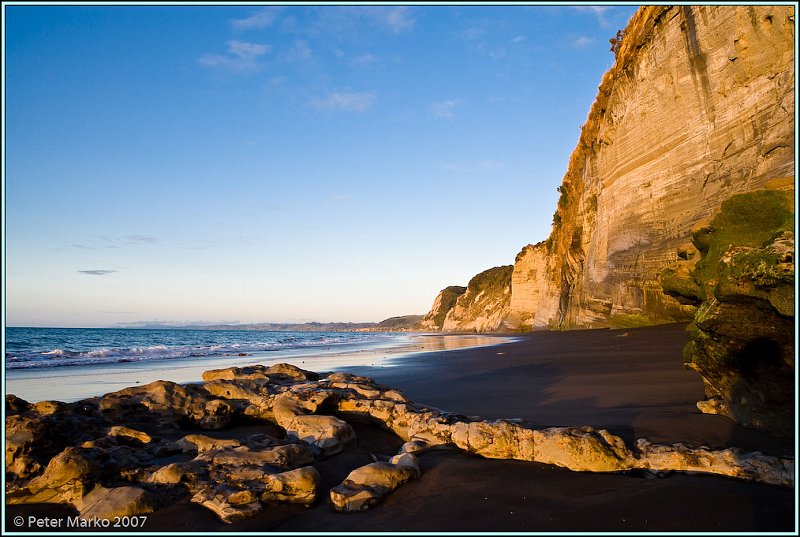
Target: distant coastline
{"x":404,"y":323}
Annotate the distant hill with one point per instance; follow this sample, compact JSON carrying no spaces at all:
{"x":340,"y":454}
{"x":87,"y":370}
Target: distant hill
{"x":402,"y":323}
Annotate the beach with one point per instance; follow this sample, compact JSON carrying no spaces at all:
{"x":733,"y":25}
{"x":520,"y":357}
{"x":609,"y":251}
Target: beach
{"x":101,"y":375}
{"x":631,"y":382}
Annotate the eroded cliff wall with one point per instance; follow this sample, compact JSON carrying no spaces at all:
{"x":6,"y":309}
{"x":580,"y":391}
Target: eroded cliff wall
{"x":698,"y":106}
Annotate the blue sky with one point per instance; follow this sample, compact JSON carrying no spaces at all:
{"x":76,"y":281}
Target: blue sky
{"x":266,"y":163}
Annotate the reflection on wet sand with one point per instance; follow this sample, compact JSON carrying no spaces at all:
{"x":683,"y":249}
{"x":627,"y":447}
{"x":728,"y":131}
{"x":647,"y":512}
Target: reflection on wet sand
{"x":449,"y":342}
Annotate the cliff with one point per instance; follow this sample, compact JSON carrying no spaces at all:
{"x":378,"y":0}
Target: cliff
{"x":443,"y":303}
{"x":484,"y":304}
{"x":698,"y":106}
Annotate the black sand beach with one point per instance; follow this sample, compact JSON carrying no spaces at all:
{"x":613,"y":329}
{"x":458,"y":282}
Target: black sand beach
{"x":631,"y":382}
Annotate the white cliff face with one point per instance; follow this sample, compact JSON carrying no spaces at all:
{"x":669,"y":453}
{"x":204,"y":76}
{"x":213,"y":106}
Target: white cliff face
{"x":699,"y":106}
{"x":534,"y":303}
{"x":428,"y":322}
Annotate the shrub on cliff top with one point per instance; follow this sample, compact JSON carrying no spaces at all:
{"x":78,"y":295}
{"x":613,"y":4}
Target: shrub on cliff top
{"x":493,"y":279}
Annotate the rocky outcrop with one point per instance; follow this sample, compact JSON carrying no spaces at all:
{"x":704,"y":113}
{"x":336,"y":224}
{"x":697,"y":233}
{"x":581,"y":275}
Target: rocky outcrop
{"x":171,"y":403}
{"x":484,"y":304}
{"x":366,"y":486}
{"x":107,"y":503}
{"x":125,"y":470}
{"x":698,"y":106}
{"x":445,"y":300}
{"x":742,"y":277}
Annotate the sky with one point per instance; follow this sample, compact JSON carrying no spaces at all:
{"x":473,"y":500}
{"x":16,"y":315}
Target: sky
{"x":260,"y":163}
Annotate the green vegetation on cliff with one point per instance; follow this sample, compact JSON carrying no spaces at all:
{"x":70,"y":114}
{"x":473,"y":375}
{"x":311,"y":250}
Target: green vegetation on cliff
{"x":747,"y":220}
{"x":743,"y":332}
{"x":494,"y":279}
{"x":449,"y":295}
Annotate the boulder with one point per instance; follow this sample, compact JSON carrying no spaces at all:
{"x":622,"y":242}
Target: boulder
{"x":67,"y":477}
{"x":366,"y":486}
{"x":126,"y":433}
{"x":295,"y":486}
{"x":291,"y":371}
{"x":218,"y":501}
{"x":16,"y":405}
{"x":170,"y":401}
{"x":254,"y":372}
{"x":201,"y":443}
{"x":107,"y":503}
{"x":328,"y":434}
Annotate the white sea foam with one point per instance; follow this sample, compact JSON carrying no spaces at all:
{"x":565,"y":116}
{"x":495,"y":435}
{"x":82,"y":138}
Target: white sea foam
{"x":186,"y":345}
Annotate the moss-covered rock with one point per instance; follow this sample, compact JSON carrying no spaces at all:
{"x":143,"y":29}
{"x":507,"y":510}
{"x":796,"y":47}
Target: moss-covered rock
{"x":678,"y":282}
{"x":749,"y":220}
{"x":743,"y":331}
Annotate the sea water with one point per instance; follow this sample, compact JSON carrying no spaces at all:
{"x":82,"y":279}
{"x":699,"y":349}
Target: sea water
{"x":28,"y":348}
{"x":69,"y":364}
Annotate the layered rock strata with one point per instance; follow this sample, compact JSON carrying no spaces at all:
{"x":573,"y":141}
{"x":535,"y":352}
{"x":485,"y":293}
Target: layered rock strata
{"x":698,"y":106}
{"x":108,"y":468}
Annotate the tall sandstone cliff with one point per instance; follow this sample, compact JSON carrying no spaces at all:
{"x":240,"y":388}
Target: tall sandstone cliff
{"x":699,"y":106}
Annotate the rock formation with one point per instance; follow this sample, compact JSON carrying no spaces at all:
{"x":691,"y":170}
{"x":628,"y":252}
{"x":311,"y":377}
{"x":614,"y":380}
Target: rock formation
{"x":742,"y":277}
{"x":121,"y":460}
{"x":484,"y":304}
{"x":698,"y":106}
{"x":445,"y":300}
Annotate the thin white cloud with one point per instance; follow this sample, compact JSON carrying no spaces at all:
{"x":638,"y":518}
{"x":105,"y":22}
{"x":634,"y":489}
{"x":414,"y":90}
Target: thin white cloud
{"x":262,"y":19}
{"x":582,"y":41}
{"x":598,"y":11}
{"x":366,"y":59}
{"x":518,"y":39}
{"x":347,"y":20}
{"x":102,"y":242}
{"x":298,"y":52}
{"x":398,"y":18}
{"x":246,"y":50}
{"x":97,"y":272}
{"x":348,"y":102}
{"x":473,"y":34}
{"x":474,"y":166}
{"x":140,"y":239}
{"x":477,"y":40}
{"x":446,"y":109}
{"x":241,"y":56}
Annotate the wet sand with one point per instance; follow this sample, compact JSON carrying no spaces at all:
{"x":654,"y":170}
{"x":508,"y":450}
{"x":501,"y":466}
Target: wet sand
{"x":629,"y":381}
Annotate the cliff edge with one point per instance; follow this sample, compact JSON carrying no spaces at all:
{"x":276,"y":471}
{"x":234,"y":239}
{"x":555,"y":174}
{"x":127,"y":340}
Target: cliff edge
{"x":698,"y":107}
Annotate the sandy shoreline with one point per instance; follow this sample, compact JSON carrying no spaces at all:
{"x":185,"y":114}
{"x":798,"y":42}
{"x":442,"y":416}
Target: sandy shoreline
{"x":71,"y":384}
{"x":629,"y":381}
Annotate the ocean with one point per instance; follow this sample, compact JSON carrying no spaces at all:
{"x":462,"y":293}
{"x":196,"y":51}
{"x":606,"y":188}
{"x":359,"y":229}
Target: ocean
{"x":69,"y":364}
{"x":28,"y":348}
